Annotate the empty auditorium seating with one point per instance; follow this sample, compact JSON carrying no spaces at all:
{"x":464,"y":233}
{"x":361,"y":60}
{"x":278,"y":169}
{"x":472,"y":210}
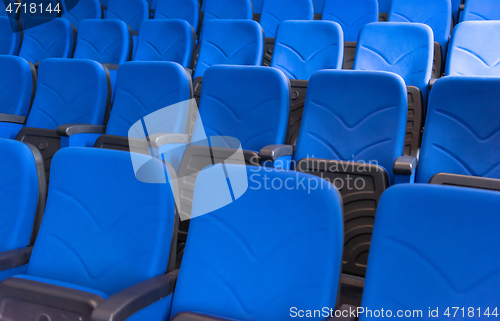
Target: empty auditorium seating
{"x":188,"y":10}
{"x":132,"y":12}
{"x":352,"y":16}
{"x":432,"y":254}
{"x":22,"y":199}
{"x":227,"y":9}
{"x":39,"y":8}
{"x":276,"y":11}
{"x":96,"y":239}
{"x":10,"y":36}
{"x":407,"y":50}
{"x":341,"y":134}
{"x":257,"y":237}
{"x":47,"y":38}
{"x":165,"y":40}
{"x":434,"y":13}
{"x":302,"y":48}
{"x":461,"y":129}
{"x":78,"y":10}
{"x":18,"y":83}
{"x":481,"y":10}
{"x":474,"y":49}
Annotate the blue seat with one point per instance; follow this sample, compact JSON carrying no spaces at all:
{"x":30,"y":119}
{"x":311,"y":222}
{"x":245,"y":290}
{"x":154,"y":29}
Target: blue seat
{"x":236,"y":262}
{"x":78,"y":10}
{"x":10,"y":36}
{"x":47,"y":38}
{"x":188,"y":10}
{"x":22,"y":200}
{"x":95,"y":239}
{"x":341,"y":134}
{"x":481,"y":10}
{"x":474,"y":49}
{"x":132,"y":12}
{"x":304,"y":47}
{"x":318,"y":6}
{"x":461,"y":130}
{"x":227,"y":9}
{"x":257,"y":6}
{"x":18,"y":83}
{"x":42,"y":9}
{"x":276,"y":11}
{"x":384,"y":6}
{"x":166,"y":40}
{"x":436,"y":14}
{"x":432,"y":254}
{"x":229,"y":42}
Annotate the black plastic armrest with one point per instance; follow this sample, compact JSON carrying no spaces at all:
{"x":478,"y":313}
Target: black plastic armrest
{"x":346,"y":312}
{"x":158,"y":140}
{"x":462,"y":7}
{"x":466,"y":181}
{"x":111,"y":66}
{"x":73,"y":129}
{"x":273,"y":152}
{"x":125,"y":303}
{"x":189,"y":71}
{"x":15,"y":258}
{"x":16,"y":119}
{"x":405,"y":165}
{"x":191,"y":316}
{"x":431,"y":83}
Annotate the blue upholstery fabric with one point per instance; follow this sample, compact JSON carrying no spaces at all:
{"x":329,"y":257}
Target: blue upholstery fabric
{"x":257,"y":101}
{"x":47,"y":38}
{"x":318,"y":6}
{"x":230,"y":42}
{"x":238,"y":265}
{"x":188,"y":10}
{"x":10,"y":36}
{"x":257,"y":6}
{"x":276,"y":11}
{"x":132,"y":12}
{"x":19,"y":196}
{"x":436,"y":253}
{"x":481,"y":10}
{"x":105,"y":41}
{"x":69,"y":91}
{"x":145,"y":87}
{"x":406,"y":49}
{"x":78,"y":10}
{"x":16,"y":86}
{"x":351,"y":15}
{"x":462,"y":130}
{"x":355,"y":116}
{"x":41,"y":6}
{"x":101,"y":236}
{"x":304,"y":47}
{"x":384,"y":5}
{"x":455,"y":8}
{"x":434,"y":13}
{"x":475,"y":49}
{"x":165,"y":40}
{"x":227,"y":9}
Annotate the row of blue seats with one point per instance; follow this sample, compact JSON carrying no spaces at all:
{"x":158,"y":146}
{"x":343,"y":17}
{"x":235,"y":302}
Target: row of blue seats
{"x":105,"y":249}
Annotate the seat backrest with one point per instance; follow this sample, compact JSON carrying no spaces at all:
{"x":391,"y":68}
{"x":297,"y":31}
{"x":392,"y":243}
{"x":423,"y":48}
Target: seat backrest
{"x":17,"y":85}
{"x":351,"y":15}
{"x":276,"y":11}
{"x":434,"y":13}
{"x":481,"y":10}
{"x":384,"y":5}
{"x":462,"y":130}
{"x":19,"y":197}
{"x":165,"y":40}
{"x":230,"y":42}
{"x":10,"y":36}
{"x":357,"y":116}
{"x":145,"y":87}
{"x":78,"y":10}
{"x":406,"y":49}
{"x":439,"y":252}
{"x":474,"y":49}
{"x":132,"y":12}
{"x":247,"y":103}
{"x":105,"y":41}
{"x":39,"y":8}
{"x":238,"y":265}
{"x":103,"y":228}
{"x":227,"y":9}
{"x":318,"y":6}
{"x":47,"y":38}
{"x":257,"y":6}
{"x":188,"y":10}
{"x":304,"y":47}
{"x":69,"y":91}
